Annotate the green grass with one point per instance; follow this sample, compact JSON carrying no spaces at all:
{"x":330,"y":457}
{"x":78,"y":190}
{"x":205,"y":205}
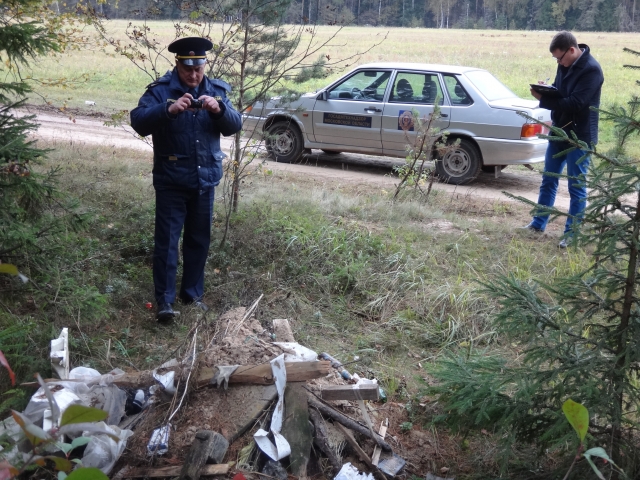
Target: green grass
{"x":364,"y":276}
{"x":395,"y":284}
{"x":517,"y":58}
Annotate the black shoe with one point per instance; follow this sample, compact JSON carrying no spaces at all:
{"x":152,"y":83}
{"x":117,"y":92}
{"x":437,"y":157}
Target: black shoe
{"x":166,"y":313}
{"x":530,"y":228}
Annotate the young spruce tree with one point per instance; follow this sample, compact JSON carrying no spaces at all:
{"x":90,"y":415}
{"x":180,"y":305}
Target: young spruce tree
{"x":577,"y":338}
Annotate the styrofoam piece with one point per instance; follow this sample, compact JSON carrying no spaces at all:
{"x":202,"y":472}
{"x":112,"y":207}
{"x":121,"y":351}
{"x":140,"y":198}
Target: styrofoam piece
{"x":83,"y":373}
{"x":60,"y":354}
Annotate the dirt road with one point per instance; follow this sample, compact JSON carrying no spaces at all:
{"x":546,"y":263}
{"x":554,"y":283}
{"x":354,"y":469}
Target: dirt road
{"x":345,"y":168}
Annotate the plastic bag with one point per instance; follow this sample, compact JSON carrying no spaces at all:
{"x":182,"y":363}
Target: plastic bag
{"x":102,"y":451}
{"x":349,"y":472}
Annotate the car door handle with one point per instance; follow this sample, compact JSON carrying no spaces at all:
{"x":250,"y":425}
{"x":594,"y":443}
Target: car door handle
{"x":368,"y":109}
{"x":444,"y":115}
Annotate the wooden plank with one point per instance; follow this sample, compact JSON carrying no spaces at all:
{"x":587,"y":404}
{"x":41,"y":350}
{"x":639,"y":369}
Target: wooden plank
{"x":321,"y":440}
{"x":198,"y":455}
{"x":375,"y":458}
{"x":173,"y":471}
{"x":297,"y":429}
{"x":282,"y":330}
{"x":350,"y":392}
{"x":262,"y":375}
{"x":255,"y":374}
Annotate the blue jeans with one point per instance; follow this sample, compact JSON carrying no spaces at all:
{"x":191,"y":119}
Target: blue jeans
{"x":175,"y":209}
{"x":577,"y":174}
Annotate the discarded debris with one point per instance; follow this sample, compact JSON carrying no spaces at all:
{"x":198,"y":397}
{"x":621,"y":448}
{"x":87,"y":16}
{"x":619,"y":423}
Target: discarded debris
{"x":392,"y":465}
{"x":349,"y":472}
{"x":274,"y":406}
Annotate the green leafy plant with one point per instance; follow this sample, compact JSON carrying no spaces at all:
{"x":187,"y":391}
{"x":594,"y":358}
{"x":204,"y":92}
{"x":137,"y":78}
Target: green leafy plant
{"x":406,"y":426}
{"x":578,"y":417}
{"x":74,"y":419}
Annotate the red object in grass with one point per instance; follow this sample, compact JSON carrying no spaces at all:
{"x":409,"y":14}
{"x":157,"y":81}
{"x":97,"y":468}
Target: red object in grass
{"x":239,"y":476}
{"x":149,"y":305}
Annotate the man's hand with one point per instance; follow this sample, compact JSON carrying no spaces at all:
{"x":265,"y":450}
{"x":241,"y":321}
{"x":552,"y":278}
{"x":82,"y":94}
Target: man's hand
{"x":180,"y":105}
{"x":210,"y":104}
{"x":535,"y":94}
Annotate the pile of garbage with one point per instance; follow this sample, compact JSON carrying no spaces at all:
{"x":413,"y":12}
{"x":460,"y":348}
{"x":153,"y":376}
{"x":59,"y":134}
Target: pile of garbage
{"x":248,"y":401}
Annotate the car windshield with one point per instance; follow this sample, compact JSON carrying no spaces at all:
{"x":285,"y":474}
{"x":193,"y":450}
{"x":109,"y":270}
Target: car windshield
{"x":489,"y":86}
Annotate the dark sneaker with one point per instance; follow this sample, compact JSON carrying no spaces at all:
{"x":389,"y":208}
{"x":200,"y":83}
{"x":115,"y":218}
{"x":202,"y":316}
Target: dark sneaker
{"x":530,"y":228}
{"x":166,"y":313}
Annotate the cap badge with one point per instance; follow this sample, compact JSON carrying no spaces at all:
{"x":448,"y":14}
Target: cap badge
{"x":192,"y":53}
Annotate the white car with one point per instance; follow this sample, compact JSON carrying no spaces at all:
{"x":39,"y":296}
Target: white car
{"x":364,"y":111}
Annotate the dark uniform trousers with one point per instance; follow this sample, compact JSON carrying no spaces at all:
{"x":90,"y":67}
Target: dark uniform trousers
{"x":176,"y":207}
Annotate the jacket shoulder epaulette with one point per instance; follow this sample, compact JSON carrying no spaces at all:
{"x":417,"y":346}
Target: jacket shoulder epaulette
{"x":221,"y":83}
{"x":166,"y":78}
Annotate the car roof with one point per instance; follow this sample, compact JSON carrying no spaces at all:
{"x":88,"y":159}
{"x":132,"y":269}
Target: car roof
{"x":455,"y":69}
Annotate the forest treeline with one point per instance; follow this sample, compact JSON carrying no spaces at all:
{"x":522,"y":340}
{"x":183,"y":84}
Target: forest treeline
{"x":583,"y":15}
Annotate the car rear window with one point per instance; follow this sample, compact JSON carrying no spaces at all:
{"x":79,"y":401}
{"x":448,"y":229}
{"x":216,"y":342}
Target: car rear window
{"x":489,"y":86}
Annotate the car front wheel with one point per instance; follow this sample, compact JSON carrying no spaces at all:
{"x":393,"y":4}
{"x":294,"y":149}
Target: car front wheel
{"x":284,"y":142}
{"x":460,"y":165}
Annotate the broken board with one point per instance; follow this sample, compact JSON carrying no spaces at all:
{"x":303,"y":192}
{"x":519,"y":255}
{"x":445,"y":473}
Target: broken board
{"x":173,"y":471}
{"x":262,"y":374}
{"x":297,"y":429}
{"x":350,"y":392}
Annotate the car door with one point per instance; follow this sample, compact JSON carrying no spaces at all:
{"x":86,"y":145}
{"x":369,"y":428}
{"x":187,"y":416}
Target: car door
{"x":411,"y":91}
{"x":349,"y":114}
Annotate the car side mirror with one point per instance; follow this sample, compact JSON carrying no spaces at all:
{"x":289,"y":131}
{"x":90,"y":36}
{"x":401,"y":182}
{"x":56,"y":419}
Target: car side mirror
{"x":323,"y":96}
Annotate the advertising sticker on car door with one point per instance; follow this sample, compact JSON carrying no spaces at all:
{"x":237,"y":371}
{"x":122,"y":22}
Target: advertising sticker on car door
{"x":351,"y":114}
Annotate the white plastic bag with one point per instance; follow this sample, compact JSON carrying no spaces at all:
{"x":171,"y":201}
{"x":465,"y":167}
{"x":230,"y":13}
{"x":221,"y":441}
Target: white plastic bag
{"x":349,"y":472}
{"x":102,"y":451}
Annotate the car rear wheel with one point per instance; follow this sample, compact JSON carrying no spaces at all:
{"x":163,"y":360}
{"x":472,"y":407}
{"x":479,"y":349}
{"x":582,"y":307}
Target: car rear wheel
{"x":459,"y":165}
{"x":331,"y":152}
{"x":284,"y":142}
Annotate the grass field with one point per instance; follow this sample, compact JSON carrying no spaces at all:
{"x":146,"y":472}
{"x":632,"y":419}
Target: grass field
{"x":395,"y":284}
{"x":517,"y":58}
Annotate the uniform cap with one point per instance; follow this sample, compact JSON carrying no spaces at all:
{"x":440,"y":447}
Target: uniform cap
{"x":191,"y":50}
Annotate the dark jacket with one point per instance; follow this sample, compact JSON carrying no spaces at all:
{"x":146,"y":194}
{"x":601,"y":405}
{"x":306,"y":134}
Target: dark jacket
{"x":186,"y":147}
{"x":579,"y":86}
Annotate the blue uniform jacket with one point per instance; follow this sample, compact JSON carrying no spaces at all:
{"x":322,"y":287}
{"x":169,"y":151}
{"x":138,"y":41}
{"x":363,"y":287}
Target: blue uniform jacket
{"x":186,"y":147}
{"x":579,"y":86}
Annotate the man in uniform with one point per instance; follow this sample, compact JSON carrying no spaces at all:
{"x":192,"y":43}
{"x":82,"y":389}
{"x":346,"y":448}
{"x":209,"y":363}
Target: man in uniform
{"x":185,"y":113}
{"x":579,"y":81}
